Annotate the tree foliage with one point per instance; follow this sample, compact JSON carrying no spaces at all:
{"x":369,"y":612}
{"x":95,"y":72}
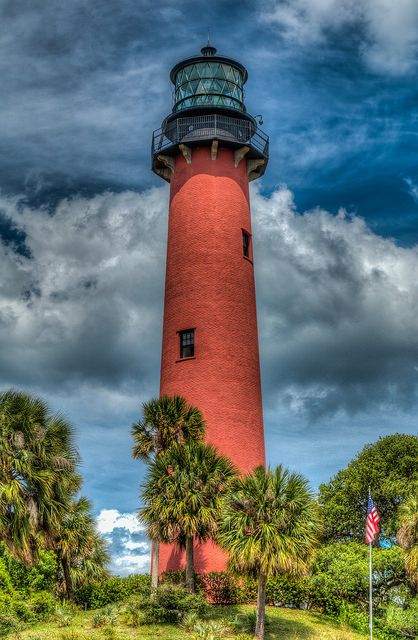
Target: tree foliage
{"x":37,"y":473}
{"x":39,"y":483}
{"x":166,"y":421}
{"x":388,"y":467}
{"x":408,"y":533}
{"x":182,"y":496}
{"x":81,"y":551}
{"x":268,"y":525}
{"x":340,"y":575}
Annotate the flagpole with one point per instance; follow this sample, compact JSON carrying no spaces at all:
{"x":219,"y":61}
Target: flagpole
{"x":370,"y":592}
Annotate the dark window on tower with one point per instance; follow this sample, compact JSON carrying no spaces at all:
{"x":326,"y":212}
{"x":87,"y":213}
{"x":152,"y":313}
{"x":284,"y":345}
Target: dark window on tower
{"x":187,"y":343}
{"x":246,"y":244}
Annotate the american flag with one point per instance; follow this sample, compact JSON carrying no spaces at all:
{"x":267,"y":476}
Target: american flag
{"x":372,"y":521}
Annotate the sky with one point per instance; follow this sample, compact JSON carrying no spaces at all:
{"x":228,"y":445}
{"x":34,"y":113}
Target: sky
{"x":83,"y":222}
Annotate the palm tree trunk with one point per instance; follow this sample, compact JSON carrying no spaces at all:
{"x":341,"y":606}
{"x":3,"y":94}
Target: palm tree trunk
{"x":154,"y":563}
{"x":189,"y":565}
{"x":67,"y":578}
{"x":261,"y":606}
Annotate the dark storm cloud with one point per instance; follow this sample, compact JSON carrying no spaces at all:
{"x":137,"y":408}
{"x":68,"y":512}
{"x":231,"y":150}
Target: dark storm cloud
{"x":85,"y":83}
{"x":337,"y":303}
{"x":90,"y":289}
{"x":339,"y":311}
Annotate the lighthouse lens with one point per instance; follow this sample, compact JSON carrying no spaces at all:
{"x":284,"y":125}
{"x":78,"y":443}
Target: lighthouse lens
{"x":214,"y":83}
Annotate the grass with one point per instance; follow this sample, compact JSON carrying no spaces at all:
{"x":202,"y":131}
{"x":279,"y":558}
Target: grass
{"x":285,"y":624}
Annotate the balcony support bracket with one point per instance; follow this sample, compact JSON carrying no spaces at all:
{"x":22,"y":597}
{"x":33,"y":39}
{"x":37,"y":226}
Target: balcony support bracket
{"x":214,"y":149}
{"x":187,"y":153}
{"x":240,"y":154}
{"x":254,"y":168}
{"x":165,"y":167}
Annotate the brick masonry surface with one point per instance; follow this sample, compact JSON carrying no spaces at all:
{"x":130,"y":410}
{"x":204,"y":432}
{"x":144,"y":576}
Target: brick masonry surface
{"x":210,"y":287}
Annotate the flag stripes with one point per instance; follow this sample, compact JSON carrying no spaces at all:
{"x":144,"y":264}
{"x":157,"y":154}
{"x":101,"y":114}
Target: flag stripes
{"x":372,"y":521}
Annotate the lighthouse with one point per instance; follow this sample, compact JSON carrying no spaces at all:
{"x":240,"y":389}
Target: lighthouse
{"x":209,"y":149}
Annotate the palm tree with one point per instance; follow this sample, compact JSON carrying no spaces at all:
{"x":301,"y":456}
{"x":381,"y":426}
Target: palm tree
{"x":182,"y":496}
{"x":80,"y":550}
{"x":37,"y":473}
{"x":167,"y":420}
{"x":268,"y":525}
{"x":408,"y":534}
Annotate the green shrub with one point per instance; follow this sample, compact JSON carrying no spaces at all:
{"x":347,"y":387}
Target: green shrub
{"x":221,"y":587}
{"x":42,"y":604}
{"x":105,"y":617}
{"x":286,"y":592}
{"x":41,"y":576}
{"x":170,"y":603}
{"x":190,"y":620}
{"x":403,"y":622}
{"x":350,"y":614}
{"x":9,"y":623}
{"x":65,"y":614}
{"x":22,"y":609}
{"x":132,"y":612}
{"x":211,"y":630}
{"x":5,"y":579}
{"x":99,"y":594}
{"x":176,"y":577}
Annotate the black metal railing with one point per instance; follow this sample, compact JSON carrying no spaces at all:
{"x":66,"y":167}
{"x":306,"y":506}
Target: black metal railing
{"x":210,"y":127}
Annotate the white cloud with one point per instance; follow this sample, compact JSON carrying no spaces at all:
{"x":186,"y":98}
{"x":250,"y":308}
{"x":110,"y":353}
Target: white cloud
{"x":122,"y":530}
{"x":126,"y":565}
{"x":387,"y":30}
{"x":412,"y":189}
{"x":131,"y":546}
{"x":74,"y":310}
{"x":339,"y":307}
{"x":110,"y":519}
{"x":337,"y":303}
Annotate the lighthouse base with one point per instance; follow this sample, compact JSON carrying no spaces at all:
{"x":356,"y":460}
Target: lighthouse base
{"x":207,"y":557}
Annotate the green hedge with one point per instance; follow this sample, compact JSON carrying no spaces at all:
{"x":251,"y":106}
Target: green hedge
{"x":98,"y":594}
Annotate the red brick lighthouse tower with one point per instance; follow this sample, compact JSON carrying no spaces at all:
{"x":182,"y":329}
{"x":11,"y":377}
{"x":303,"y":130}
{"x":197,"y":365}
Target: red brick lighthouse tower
{"x":208,"y":149}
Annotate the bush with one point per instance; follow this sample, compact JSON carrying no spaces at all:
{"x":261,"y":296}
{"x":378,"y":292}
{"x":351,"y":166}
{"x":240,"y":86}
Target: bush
{"x":282,"y":591}
{"x":190,"y":620}
{"x":170,"y":603}
{"x":177,"y":577}
{"x":105,"y":617}
{"x":99,"y":594}
{"x":350,"y":614}
{"x":403,"y":622}
{"x":5,"y":579}
{"x":133,"y":614}
{"x":41,"y":576}
{"x":213,"y":630}
{"x":9,"y":623}
{"x":221,"y":587}
{"x":43,"y":605}
{"x":22,"y":609}
{"x":65,"y":614}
